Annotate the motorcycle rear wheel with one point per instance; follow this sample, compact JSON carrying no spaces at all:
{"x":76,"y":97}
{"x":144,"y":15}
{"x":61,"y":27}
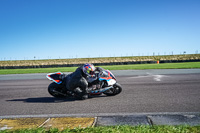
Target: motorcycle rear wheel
{"x":56,"y":90}
{"x":117,"y":88}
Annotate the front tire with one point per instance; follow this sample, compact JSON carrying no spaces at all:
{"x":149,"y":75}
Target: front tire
{"x":53,"y":90}
{"x":117,"y":88}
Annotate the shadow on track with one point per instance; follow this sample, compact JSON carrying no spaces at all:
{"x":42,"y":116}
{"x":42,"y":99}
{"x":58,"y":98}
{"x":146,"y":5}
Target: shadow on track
{"x":49,"y":99}
{"x":44,"y":100}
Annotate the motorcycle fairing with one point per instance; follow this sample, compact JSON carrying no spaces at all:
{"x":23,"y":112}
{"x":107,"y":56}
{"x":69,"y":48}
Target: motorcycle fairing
{"x":108,"y":76}
{"x":55,"y":77}
{"x":111,"y":82}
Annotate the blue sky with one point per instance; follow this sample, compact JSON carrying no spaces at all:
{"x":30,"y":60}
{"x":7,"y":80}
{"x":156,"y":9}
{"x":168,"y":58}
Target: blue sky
{"x":48,"y":29}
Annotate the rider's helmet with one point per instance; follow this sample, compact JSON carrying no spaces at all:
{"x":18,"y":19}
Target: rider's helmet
{"x":88,"y":69}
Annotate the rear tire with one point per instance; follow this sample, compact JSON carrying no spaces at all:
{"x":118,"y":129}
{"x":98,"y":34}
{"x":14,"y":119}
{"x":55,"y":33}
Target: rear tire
{"x":114,"y":91}
{"x":56,"y":87}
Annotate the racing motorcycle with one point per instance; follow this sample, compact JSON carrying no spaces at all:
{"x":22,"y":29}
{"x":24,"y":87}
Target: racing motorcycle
{"x":107,"y":82}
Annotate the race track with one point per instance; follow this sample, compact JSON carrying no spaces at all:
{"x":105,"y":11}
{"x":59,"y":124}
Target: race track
{"x":144,"y":91}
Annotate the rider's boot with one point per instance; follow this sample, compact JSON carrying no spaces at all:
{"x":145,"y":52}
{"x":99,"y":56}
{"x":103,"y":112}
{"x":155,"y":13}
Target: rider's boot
{"x":82,"y":95}
{"x":94,"y":87}
{"x":98,"y":86}
{"x":85,"y":96}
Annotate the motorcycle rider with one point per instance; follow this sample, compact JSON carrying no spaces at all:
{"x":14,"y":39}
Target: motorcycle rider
{"x":80,"y":79}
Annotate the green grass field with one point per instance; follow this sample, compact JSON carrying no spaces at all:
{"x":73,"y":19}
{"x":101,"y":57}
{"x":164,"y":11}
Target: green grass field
{"x":117,"y":129}
{"x":188,"y":65}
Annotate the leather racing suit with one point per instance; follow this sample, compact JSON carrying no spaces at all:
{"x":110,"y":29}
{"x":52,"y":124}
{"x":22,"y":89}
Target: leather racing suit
{"x":78,"y":79}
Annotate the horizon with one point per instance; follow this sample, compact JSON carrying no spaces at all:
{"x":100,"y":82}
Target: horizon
{"x":102,"y":57}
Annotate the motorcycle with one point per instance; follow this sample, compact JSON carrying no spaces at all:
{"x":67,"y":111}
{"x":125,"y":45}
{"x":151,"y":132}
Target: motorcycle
{"x":107,"y":85}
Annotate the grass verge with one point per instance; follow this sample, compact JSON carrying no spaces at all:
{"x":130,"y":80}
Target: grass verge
{"x":187,"y":65}
{"x":117,"y":129}
{"x":30,"y":63}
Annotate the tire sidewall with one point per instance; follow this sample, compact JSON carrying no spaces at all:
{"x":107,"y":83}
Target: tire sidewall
{"x":53,"y":86}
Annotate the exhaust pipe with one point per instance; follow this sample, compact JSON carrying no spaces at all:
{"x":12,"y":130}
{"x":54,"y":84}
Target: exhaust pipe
{"x":101,"y":90}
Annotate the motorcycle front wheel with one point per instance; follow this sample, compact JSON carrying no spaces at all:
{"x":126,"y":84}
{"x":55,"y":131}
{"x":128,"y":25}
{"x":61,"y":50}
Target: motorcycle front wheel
{"x":117,"y":88}
{"x":56,"y":90}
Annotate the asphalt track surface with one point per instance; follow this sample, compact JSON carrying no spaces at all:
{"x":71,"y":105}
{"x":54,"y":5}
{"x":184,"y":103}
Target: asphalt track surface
{"x":144,"y":91}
